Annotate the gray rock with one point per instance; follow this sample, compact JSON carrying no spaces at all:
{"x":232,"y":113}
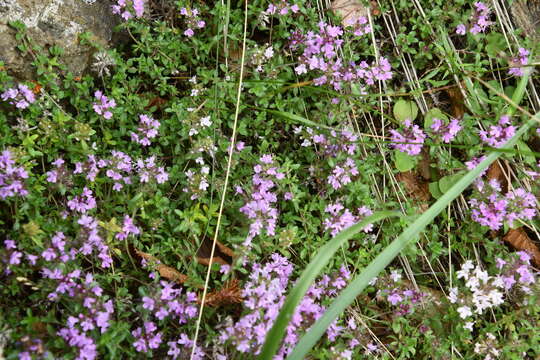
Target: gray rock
{"x":54,"y":22}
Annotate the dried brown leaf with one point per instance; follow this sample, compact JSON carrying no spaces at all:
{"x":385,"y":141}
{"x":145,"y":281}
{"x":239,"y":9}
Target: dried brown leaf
{"x":165,"y":271}
{"x":349,"y":10}
{"x":495,"y":172}
{"x":415,"y":186}
{"x":229,"y":294}
{"x":519,"y":239}
{"x":223,"y":255}
{"x":457,"y":103}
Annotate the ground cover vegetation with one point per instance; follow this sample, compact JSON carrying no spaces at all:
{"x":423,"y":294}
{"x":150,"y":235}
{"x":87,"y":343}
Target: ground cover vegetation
{"x":164,"y":204}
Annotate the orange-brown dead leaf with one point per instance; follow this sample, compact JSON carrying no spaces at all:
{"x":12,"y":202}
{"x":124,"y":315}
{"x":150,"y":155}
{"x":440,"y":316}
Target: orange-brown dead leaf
{"x":457,"y":103}
{"x":415,"y":187}
{"x":156,"y":101}
{"x":37,"y":87}
{"x":495,"y":172}
{"x":230,"y":293}
{"x":223,"y":255}
{"x":165,"y":271}
{"x":519,"y":239}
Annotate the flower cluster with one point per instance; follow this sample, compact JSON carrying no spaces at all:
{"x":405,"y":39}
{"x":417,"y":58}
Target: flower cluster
{"x":321,"y":54}
{"x":10,"y":256}
{"x":483,"y":291}
{"x":260,"y":56}
{"x":185,"y":342}
{"x":332,"y":145}
{"x":95,"y":314}
{"x":148,"y":129}
{"x":128,"y":228}
{"x":34,"y":349}
{"x":479,"y":21}
{"x":360,"y":25}
{"x":399,"y":293}
{"x":411,"y":140}
{"x":446,"y":132}
{"x":342,"y":218}
{"x":103,"y":104}
{"x":20,"y":96}
{"x":146,"y":338}
{"x":193,"y":21}
{"x":118,"y":168}
{"x":498,"y":135}
{"x":168,"y":303}
{"x":57,"y":250}
{"x":204,"y":122}
{"x":197,"y":182}
{"x":490,"y":208}
{"x":11,"y":177}
{"x":264,"y":295}
{"x":341,"y":173}
{"x":123,"y":8}
{"x":82,"y":203}
{"x":91,"y":240}
{"x":281,"y":7}
{"x":518,"y":62}
{"x":260,"y":208}
{"x":148,"y":169}
{"x":534,"y":175}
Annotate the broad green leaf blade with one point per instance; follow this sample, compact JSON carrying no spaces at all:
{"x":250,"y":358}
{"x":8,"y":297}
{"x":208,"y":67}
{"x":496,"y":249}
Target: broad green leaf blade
{"x":299,"y":119}
{"x":314,"y":268}
{"x":348,"y":295}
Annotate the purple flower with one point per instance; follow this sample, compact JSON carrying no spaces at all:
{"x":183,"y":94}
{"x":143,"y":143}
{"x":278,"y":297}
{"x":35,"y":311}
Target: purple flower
{"x":410,"y":141}
{"x":446,"y":132}
{"x":21,"y":96}
{"x":498,"y":135}
{"x":11,"y":177}
{"x":518,"y":62}
{"x":103,"y":104}
{"x":192,"y":20}
{"x":148,"y":129}
{"x":82,"y":203}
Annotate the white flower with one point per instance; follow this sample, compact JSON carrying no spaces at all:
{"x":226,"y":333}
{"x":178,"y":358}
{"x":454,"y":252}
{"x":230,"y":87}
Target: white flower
{"x":205,"y":121}
{"x":269,"y":52}
{"x":472,"y":283}
{"x":464,"y":312}
{"x":193,"y":80}
{"x":199,"y":160}
{"x":194,"y":92}
{"x":300,"y":69}
{"x":498,"y":282}
{"x":469,"y":325}
{"x":205,"y":170}
{"x":481,"y":275}
{"x":496,"y":297}
{"x":203,"y":185}
{"x":193,"y":132}
{"x":395,"y":276}
{"x":452,"y":296}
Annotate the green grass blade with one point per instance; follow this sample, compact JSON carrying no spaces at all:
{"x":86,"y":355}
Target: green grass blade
{"x":314,"y":268}
{"x":348,"y":295}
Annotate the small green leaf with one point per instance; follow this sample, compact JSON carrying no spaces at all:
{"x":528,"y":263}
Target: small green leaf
{"x":447,"y":182}
{"x":431,"y":114}
{"x":524,"y":148}
{"x":403,"y":161}
{"x":404,"y":110}
{"x":434,"y":189}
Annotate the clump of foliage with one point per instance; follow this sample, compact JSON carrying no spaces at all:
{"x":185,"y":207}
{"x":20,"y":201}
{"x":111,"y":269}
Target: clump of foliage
{"x":163,"y":204}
